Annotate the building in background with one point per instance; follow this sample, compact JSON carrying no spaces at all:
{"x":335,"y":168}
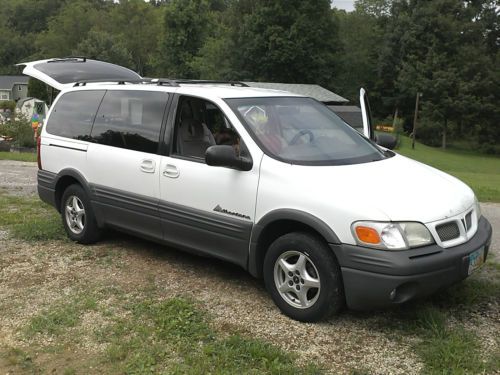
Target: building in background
{"x":13,"y":87}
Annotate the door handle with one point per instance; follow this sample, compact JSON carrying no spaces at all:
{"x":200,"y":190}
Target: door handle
{"x":148,"y":166}
{"x":171,"y":171}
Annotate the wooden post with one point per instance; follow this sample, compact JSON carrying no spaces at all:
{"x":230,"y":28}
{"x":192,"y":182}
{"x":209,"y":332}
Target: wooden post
{"x":394,"y":120}
{"x":414,"y":133}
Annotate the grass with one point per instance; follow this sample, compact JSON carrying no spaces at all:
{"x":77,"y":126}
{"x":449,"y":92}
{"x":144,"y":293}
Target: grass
{"x":469,"y":294}
{"x":175,"y":337}
{"x":480,"y":172}
{"x":19,"y":156}
{"x":54,"y":320}
{"x":445,"y":350}
{"x":29,"y":219}
{"x":151,"y":335}
{"x":21,"y":359}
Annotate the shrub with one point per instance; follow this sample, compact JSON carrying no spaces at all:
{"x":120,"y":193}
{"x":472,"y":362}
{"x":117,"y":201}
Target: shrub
{"x":429,"y":132}
{"x":8,"y":104}
{"x":19,"y":129}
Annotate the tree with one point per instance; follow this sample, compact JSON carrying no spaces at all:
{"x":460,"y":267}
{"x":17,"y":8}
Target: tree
{"x":285,"y":41}
{"x":67,"y":28}
{"x":103,"y":46}
{"x":30,"y":17}
{"x":38,"y":89}
{"x":438,"y":62}
{"x":187,"y":24}
{"x":136,"y":26}
{"x":360,"y":36}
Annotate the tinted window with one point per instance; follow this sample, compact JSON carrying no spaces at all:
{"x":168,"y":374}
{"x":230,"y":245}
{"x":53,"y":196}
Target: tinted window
{"x":69,"y":71}
{"x":74,"y":113}
{"x":130,"y":119}
{"x":303,"y":131}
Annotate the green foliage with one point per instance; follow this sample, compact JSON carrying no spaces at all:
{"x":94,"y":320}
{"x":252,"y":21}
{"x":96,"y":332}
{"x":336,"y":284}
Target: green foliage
{"x":429,"y":132}
{"x":137,"y":26}
{"x":8,"y":104}
{"x":104,"y":46}
{"x":447,"y":50}
{"x":284,"y":41}
{"x":187,"y":25}
{"x":361,"y":36}
{"x":37,"y":89}
{"x":67,"y":28}
{"x":19,"y":128}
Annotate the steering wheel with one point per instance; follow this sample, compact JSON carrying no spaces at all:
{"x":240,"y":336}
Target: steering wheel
{"x":301,"y":133}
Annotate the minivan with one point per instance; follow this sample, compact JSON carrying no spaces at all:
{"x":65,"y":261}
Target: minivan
{"x":269,"y":180}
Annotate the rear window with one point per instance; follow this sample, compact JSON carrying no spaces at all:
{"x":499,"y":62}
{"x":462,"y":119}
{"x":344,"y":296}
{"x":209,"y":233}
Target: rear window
{"x":130,"y":119}
{"x":74,"y":113}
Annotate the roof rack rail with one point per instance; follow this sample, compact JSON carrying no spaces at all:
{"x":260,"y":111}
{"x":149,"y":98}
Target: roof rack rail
{"x":208,"y":82}
{"x":161,"y":82}
{"x":119,"y":81}
{"x":69,"y":58}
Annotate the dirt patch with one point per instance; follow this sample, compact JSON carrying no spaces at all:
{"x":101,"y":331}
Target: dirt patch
{"x":18,"y":177}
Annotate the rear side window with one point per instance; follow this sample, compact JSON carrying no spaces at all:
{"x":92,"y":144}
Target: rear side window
{"x":130,"y":119}
{"x":74,"y":113}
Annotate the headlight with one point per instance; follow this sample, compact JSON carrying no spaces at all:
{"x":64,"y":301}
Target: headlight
{"x":478,"y":208}
{"x":391,"y":236}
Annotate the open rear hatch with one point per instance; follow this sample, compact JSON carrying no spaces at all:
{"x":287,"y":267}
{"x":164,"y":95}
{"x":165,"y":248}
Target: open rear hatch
{"x":65,"y":72}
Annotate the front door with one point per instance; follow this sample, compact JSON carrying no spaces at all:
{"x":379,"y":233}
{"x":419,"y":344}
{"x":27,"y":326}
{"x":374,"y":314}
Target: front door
{"x":204,"y":208}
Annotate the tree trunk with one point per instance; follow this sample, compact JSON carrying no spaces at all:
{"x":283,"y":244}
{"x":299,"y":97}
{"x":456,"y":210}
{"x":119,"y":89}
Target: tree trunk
{"x":445,"y":128}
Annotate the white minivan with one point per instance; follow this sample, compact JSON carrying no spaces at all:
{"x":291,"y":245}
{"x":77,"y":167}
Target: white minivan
{"x":269,"y":180}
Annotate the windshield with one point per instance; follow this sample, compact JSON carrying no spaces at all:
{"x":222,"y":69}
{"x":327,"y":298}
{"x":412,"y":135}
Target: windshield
{"x":303,"y":131}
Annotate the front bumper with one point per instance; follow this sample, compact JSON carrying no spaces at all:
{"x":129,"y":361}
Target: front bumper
{"x":376,"y":278}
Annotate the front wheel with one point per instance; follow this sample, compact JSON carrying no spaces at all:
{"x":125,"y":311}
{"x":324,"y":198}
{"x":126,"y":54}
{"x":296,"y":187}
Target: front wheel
{"x":303,"y":277}
{"x":78,"y":217}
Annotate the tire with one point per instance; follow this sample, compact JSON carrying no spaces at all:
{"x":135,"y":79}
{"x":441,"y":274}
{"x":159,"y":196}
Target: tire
{"x":78,"y":216}
{"x":308,"y":275}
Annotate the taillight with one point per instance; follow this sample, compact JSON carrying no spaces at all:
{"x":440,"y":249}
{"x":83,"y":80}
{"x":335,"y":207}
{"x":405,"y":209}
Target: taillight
{"x":38,"y":154}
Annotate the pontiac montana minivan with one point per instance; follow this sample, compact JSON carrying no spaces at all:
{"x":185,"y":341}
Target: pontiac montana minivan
{"x":269,"y":180}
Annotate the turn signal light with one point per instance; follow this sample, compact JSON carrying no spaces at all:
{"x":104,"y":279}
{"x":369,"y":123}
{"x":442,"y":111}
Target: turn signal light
{"x":367,"y":235}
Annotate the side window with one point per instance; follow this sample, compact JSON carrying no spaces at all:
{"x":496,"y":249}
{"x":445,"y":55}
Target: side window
{"x":200,"y":124}
{"x":74,"y":113}
{"x":130,"y":119}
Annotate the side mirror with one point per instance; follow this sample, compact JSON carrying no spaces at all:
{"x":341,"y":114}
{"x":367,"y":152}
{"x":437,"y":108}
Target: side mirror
{"x":225,"y":156}
{"x":386,"y":140}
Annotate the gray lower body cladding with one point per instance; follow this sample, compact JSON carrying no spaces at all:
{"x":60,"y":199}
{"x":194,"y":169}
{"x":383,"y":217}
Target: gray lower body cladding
{"x":190,"y":229}
{"x":376,"y":279}
{"x":47,"y":187}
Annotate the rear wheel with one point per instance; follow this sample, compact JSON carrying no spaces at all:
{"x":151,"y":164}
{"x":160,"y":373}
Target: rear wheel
{"x":303,"y":277}
{"x":78,"y":217}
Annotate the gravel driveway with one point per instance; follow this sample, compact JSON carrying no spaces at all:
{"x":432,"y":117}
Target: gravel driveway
{"x":234,"y":299}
